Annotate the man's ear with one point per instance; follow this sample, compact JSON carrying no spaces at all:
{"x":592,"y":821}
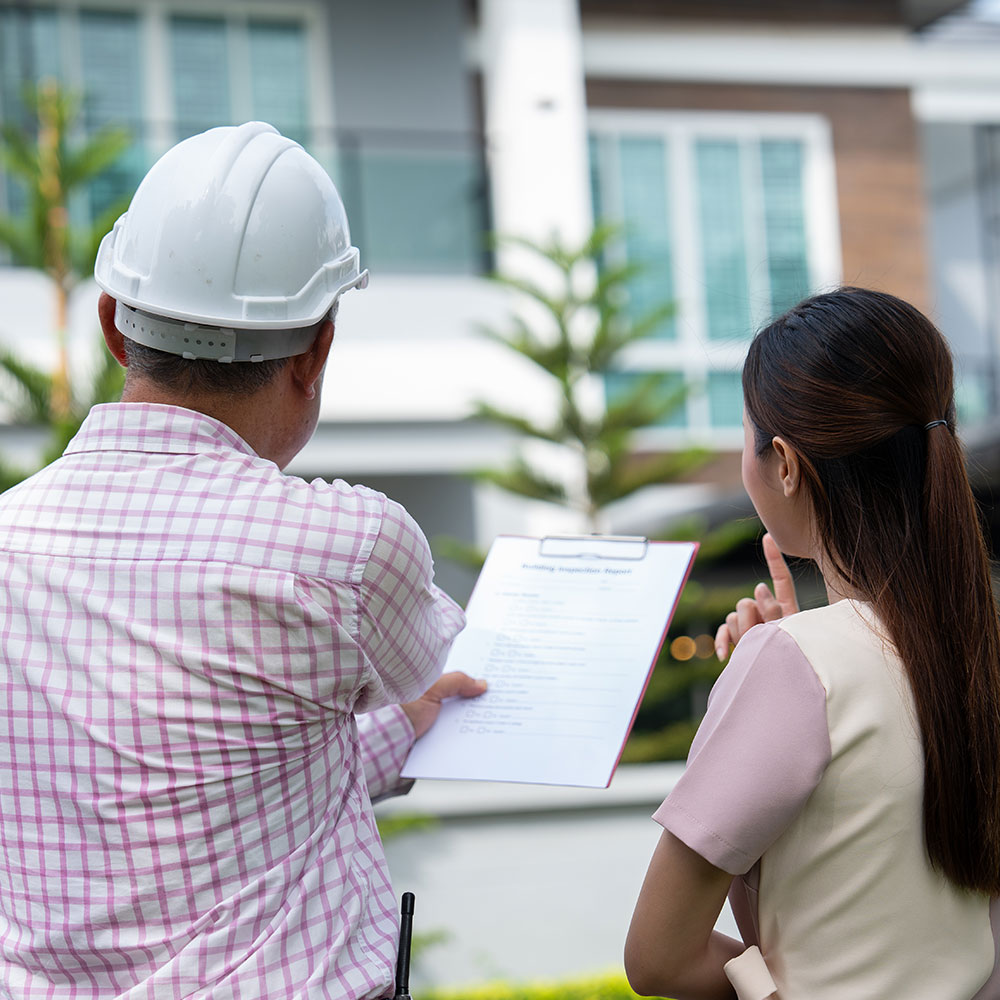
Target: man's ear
{"x":112,"y":336}
{"x":307,"y":369}
{"x":789,"y":467}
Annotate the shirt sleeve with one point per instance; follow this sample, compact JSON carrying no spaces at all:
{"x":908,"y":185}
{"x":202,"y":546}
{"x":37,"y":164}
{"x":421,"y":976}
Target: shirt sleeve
{"x":386,"y":737}
{"x":406,"y":624}
{"x":758,"y":754}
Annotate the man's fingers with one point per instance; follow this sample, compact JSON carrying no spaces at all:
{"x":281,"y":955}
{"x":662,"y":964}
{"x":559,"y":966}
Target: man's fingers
{"x":781,"y":577}
{"x":455,"y":684}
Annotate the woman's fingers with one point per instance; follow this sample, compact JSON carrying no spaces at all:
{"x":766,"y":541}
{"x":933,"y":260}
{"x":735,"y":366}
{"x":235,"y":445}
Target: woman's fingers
{"x":766,"y":605}
{"x":747,"y":615}
{"x":781,"y":577}
{"x":770,"y":609}
{"x":722,"y":641}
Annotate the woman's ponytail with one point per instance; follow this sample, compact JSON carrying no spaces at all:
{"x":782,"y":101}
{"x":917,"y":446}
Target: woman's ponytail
{"x":899,"y":522}
{"x":958,"y":700}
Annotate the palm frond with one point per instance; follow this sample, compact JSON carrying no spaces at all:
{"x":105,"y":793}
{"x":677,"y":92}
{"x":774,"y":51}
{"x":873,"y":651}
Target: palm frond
{"x":99,"y":152}
{"x":22,"y":243}
{"x":18,"y":154}
{"x":108,"y":381}
{"x":30,"y":389}
{"x":551,"y":354}
{"x":629,"y":475}
{"x":652,"y":399}
{"x":515,"y":422}
{"x":519,"y":478}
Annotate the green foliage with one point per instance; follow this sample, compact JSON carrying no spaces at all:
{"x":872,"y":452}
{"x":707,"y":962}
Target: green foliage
{"x":51,"y":168}
{"x":585,"y":326}
{"x":396,"y":826}
{"x":28,"y":391}
{"x":584,"y":332}
{"x":664,"y":726}
{"x":669,"y":742}
{"x":611,"y":986}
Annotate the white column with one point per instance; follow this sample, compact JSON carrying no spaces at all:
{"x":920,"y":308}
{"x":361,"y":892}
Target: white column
{"x":159,"y":109}
{"x":535,"y":119}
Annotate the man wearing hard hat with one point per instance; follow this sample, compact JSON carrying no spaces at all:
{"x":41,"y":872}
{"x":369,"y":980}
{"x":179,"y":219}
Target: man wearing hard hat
{"x":210,"y":668}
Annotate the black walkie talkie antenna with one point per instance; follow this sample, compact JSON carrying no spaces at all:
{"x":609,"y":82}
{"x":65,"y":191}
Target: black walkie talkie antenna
{"x":403,"y":956}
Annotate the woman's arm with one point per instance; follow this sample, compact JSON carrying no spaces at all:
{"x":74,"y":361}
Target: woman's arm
{"x":671,"y":948}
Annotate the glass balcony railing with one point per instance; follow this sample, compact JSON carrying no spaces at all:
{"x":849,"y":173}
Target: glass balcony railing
{"x":417,"y":202}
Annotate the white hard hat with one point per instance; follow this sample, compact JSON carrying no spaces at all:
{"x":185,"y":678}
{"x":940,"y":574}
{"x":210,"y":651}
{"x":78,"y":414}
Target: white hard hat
{"x":235,"y":244}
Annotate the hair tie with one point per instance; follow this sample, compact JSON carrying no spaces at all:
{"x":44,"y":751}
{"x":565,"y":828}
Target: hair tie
{"x":934,"y":423}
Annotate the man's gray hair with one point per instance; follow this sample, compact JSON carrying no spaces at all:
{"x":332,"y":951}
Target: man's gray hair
{"x":204,"y":376}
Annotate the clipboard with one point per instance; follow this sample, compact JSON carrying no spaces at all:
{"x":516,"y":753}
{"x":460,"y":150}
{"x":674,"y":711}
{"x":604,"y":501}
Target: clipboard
{"x":566,"y":629}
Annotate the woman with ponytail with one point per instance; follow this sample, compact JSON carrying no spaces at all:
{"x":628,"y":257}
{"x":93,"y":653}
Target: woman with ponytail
{"x":843,"y":787}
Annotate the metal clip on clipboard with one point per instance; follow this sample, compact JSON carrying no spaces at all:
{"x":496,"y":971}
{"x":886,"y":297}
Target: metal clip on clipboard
{"x":593,"y":547}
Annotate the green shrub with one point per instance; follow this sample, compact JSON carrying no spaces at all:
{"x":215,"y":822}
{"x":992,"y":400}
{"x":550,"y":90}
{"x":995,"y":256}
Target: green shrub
{"x":610,"y":986}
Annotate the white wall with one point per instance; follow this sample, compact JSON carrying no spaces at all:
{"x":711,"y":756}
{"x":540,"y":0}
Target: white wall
{"x":527,"y":882}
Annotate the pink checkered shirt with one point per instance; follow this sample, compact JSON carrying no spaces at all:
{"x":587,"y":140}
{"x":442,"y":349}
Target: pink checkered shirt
{"x":187,"y":638}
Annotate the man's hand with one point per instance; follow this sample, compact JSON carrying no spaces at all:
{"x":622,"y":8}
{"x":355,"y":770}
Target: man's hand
{"x":764,"y":606}
{"x":424,"y":711}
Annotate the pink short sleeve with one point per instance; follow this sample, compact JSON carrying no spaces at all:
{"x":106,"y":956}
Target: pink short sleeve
{"x":759,"y":753}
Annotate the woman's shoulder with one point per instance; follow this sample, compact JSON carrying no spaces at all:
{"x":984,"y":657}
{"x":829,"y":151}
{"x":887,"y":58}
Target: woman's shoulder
{"x":856,"y":662}
{"x":847,"y":625}
{"x":833,"y":645}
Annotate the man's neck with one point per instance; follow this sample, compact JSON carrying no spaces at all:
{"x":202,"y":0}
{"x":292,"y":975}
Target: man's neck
{"x":247,"y":416}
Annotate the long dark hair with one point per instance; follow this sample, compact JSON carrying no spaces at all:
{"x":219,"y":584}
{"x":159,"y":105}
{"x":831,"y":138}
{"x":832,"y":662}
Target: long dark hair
{"x":851,"y":379}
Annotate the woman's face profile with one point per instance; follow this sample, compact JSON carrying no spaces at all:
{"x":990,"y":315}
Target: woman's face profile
{"x":764,"y":494}
{"x":775,"y":490}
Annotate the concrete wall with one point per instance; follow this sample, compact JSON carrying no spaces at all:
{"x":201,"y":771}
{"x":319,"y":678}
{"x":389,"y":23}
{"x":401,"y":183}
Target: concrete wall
{"x":399,"y":65}
{"x":526,"y":881}
{"x":961,"y":304}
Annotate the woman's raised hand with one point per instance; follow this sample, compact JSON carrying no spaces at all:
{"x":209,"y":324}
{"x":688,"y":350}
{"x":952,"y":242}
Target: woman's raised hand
{"x":764,"y":606}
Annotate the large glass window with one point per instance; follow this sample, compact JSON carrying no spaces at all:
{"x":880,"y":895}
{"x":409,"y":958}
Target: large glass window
{"x":278,"y":81}
{"x":112,"y":87}
{"x":228,"y":69}
{"x":722,"y":228}
{"x":223,"y":68}
{"x":416,"y":200}
{"x":729,"y":217}
{"x":199,"y":58}
{"x":94,"y":53}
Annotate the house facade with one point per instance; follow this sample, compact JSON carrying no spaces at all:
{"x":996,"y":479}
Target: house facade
{"x":752,"y":153}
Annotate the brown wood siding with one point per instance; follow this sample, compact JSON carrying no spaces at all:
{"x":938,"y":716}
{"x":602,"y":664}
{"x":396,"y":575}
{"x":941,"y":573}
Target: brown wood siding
{"x":784,"y":11}
{"x":910,"y":12}
{"x":879,"y":185}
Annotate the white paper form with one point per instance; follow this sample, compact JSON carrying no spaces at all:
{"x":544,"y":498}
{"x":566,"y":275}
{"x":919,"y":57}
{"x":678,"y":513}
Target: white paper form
{"x":566,"y":632}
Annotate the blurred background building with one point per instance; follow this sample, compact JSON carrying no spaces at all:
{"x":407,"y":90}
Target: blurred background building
{"x":754,"y":151}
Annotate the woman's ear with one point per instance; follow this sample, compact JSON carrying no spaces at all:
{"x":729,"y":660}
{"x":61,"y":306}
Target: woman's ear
{"x":789,"y":468}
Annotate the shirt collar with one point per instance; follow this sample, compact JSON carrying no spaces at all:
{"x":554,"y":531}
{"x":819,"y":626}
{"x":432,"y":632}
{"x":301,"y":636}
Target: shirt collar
{"x":154,"y":427}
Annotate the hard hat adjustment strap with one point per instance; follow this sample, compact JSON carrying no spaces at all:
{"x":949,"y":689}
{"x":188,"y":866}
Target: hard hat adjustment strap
{"x":211,"y":343}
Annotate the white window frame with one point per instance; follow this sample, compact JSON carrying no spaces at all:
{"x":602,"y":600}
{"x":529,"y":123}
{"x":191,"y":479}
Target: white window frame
{"x":692,"y":352}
